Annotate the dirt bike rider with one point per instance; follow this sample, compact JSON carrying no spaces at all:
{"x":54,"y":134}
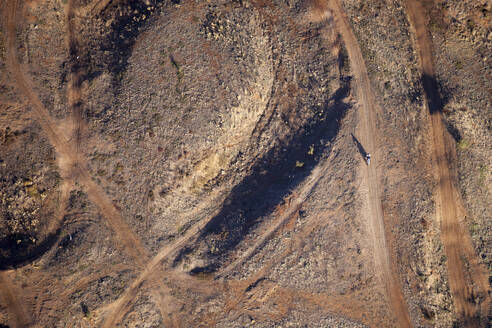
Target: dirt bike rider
{"x":368,"y":158}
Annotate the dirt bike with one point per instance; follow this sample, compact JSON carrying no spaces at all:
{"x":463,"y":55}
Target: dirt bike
{"x":368,"y":159}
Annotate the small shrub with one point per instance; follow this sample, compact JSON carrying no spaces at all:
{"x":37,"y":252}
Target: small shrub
{"x":482,"y":174}
{"x":311,"y":150}
{"x":463,"y":144}
{"x":118,"y":167}
{"x":458,"y":65}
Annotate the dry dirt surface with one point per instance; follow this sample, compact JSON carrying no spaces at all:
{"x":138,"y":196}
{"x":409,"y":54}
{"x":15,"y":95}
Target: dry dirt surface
{"x":368,"y":132}
{"x":456,"y":239}
{"x":186,"y":163}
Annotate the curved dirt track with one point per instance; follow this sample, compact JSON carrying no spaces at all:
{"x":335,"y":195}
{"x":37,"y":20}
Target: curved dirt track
{"x":456,"y":240}
{"x":367,"y":128}
{"x":117,"y":309}
{"x":68,"y":159}
{"x":72,"y":164}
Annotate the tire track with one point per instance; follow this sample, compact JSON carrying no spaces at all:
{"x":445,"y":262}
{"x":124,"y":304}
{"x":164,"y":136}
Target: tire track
{"x":302,"y":194}
{"x":367,"y":128}
{"x":70,"y":163}
{"x":348,"y":305}
{"x":121,"y":305}
{"x":18,"y":316}
{"x":69,"y":158}
{"x":76,"y":79}
{"x":456,"y":239}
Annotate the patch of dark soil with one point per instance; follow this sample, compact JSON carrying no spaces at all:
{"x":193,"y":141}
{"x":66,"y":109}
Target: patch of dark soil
{"x":360,"y":148}
{"x":453,"y":131}
{"x":72,"y":240}
{"x":202,"y":270}
{"x":437,"y":94}
{"x":437,"y":98}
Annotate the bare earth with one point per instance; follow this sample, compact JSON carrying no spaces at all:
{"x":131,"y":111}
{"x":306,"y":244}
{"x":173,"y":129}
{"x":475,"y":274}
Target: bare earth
{"x":182,"y":163}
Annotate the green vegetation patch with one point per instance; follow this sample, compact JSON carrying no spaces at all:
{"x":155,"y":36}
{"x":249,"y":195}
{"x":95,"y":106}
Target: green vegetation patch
{"x":463,"y":144}
{"x":483,"y":171}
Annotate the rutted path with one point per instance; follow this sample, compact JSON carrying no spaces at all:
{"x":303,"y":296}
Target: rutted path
{"x":121,"y":305}
{"x":367,"y":128}
{"x":18,"y":316}
{"x":301,"y":196}
{"x":68,"y":158}
{"x":75,"y":80}
{"x":67,"y":145}
{"x":456,"y":240}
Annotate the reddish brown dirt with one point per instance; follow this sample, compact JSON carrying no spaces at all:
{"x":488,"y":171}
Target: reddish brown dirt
{"x":122,"y":304}
{"x":70,"y":163}
{"x":367,"y":131}
{"x":18,"y":315}
{"x":70,"y":160}
{"x":75,"y":82}
{"x":449,"y":209}
{"x":73,"y":166}
{"x":258,"y":301}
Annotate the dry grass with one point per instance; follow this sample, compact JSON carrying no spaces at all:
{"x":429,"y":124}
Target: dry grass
{"x":318,"y":10}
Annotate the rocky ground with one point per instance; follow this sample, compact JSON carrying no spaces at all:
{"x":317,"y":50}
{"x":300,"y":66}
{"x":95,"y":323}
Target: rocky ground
{"x":225,"y":135}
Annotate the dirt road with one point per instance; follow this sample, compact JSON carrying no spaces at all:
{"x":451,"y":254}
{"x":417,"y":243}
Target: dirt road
{"x":456,"y":239}
{"x":18,"y":316}
{"x":366,"y":131}
{"x":119,"y":306}
{"x":75,"y":80}
{"x":71,"y":164}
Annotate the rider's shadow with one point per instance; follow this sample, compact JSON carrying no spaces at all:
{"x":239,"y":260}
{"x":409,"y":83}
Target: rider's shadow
{"x":361,"y":149}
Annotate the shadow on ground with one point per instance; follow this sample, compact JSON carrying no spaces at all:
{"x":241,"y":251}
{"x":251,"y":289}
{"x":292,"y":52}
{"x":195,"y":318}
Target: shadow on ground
{"x":273,"y":177}
{"x":437,"y":103}
{"x":360,"y":148}
{"x":18,"y":250}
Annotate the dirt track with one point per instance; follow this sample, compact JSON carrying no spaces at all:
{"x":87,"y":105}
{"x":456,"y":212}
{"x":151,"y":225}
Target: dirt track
{"x":149,"y":272}
{"x":456,"y":239}
{"x":69,"y":161}
{"x":303,"y":193}
{"x":76,"y":76}
{"x":72,"y":164}
{"x":119,"y":308}
{"x":367,"y":128}
{"x":18,"y":314}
